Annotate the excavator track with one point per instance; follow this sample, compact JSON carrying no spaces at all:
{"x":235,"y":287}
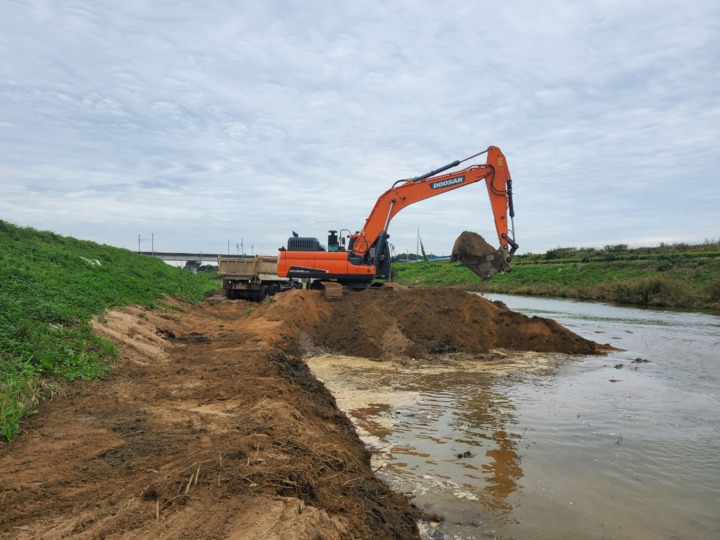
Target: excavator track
{"x":332,"y":291}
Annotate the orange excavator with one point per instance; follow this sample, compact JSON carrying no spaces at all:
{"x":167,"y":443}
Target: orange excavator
{"x":367,"y":255}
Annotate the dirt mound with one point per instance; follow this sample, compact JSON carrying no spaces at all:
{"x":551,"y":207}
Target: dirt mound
{"x":212,"y":426}
{"x":420,"y":323}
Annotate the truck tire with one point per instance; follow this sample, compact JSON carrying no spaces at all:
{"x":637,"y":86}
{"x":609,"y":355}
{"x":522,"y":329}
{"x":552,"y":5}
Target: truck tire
{"x":274,"y":289}
{"x":263,"y":293}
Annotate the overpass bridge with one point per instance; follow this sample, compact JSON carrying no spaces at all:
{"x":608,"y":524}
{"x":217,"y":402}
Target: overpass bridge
{"x":192,"y":261}
{"x":181,"y":256}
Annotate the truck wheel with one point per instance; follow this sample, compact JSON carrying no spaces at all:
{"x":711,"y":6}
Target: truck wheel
{"x":274,"y":289}
{"x":263,"y":293}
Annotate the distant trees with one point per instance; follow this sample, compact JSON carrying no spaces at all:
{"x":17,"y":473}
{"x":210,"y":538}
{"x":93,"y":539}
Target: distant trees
{"x":617,"y":251}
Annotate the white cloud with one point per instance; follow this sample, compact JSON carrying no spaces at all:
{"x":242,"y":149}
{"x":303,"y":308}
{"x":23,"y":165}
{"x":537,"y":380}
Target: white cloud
{"x":211,"y":122}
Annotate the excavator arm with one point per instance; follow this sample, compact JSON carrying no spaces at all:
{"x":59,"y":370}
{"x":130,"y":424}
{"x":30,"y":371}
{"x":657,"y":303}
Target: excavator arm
{"x":499,"y":185}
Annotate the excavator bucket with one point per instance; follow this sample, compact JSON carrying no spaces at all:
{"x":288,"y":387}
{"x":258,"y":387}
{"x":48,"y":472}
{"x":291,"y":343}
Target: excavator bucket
{"x":473,"y":251}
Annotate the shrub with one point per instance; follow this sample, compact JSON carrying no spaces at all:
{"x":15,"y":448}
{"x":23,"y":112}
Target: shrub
{"x":652,"y":291}
{"x":712,"y":291}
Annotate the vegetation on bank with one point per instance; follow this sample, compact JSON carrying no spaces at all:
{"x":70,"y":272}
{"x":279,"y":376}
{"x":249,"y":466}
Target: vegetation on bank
{"x":50,"y":288}
{"x":677,"y":275}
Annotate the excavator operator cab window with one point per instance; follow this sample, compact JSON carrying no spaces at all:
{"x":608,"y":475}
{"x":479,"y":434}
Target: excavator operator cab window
{"x":333,"y":241}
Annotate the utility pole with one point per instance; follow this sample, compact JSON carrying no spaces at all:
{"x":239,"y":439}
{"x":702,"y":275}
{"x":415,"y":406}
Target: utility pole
{"x":417,"y":246}
{"x":152,"y":242}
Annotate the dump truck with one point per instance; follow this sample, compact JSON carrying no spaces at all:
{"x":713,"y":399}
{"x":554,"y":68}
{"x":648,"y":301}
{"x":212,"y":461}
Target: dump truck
{"x":252,"y":277}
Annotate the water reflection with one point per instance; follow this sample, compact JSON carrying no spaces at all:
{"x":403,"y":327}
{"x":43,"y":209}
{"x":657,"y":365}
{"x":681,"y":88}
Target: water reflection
{"x":446,"y":430}
{"x":488,"y":418}
{"x":503,"y":472}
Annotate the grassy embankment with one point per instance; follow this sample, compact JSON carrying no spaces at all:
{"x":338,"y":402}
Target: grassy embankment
{"x":49,"y":291}
{"x":679,"y":275}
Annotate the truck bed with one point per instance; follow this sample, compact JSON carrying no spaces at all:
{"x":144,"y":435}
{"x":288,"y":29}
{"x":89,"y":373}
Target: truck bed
{"x":246,"y":267}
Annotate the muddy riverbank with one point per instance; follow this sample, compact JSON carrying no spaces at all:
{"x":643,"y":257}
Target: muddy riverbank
{"x":211,"y":424}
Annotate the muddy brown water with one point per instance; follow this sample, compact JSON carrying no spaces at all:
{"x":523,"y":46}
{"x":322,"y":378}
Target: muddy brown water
{"x":531,"y":445}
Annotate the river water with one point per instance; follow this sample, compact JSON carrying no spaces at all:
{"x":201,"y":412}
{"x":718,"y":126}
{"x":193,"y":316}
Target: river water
{"x":530,"y":445}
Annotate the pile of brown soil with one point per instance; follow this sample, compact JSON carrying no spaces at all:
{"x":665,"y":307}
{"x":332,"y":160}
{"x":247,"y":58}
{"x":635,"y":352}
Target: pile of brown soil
{"x":421,"y":323}
{"x":470,"y":244}
{"x":212,"y":426}
{"x":475,"y":253}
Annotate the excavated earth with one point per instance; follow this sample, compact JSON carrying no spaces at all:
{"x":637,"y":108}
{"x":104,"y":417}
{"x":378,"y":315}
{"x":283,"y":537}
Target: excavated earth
{"x":212,"y":426}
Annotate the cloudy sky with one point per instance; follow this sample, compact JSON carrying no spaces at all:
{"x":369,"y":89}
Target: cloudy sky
{"x":216,"y":122}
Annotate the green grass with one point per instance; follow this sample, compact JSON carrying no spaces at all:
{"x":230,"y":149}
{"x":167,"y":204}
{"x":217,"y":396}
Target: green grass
{"x":683,"y":279}
{"x":49,"y":291}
